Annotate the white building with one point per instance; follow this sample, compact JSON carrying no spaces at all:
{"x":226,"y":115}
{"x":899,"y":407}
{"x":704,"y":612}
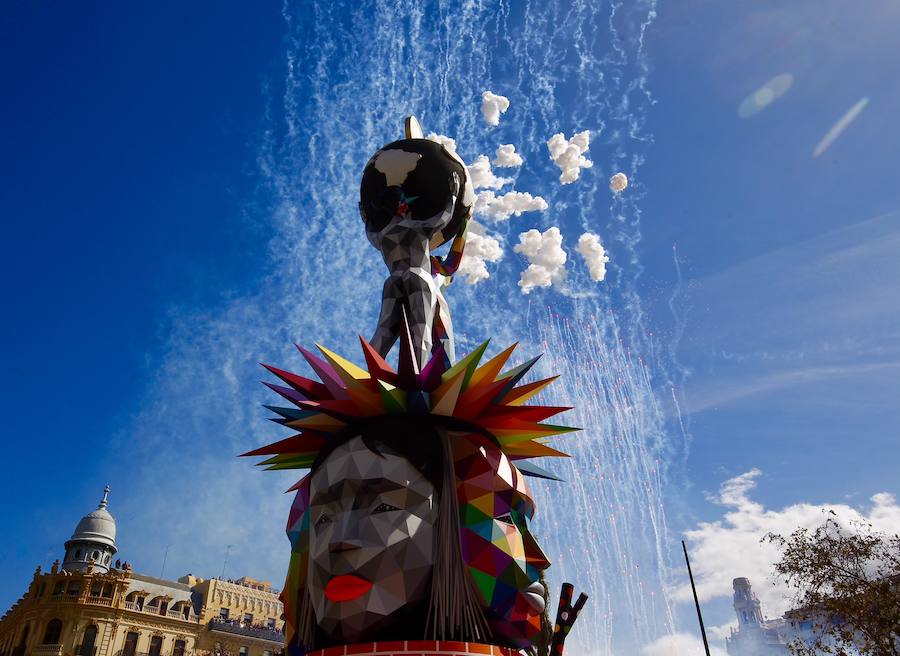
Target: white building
{"x":755,"y":635}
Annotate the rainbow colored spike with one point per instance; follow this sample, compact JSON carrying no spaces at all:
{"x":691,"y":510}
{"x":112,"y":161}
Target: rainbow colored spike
{"x":478,"y":394}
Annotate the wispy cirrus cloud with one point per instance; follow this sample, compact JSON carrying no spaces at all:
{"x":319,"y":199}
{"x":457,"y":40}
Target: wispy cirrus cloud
{"x":714,"y":393}
{"x":820,"y":311}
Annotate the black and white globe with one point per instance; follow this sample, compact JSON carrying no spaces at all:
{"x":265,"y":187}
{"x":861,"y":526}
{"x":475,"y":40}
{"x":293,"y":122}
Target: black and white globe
{"x":414,"y":178}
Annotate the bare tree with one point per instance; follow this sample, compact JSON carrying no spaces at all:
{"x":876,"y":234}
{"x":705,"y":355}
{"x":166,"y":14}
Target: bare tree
{"x":846,"y":587}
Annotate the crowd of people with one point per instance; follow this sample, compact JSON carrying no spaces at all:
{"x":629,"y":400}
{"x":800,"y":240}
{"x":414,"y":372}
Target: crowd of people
{"x":239,"y":623}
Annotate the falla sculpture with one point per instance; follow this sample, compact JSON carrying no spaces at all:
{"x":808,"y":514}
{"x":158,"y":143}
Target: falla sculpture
{"x":410,"y":532}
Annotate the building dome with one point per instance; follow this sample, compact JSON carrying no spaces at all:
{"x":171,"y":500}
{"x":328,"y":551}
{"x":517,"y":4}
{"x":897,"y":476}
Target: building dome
{"x":97,"y":526}
{"x":94,"y":539}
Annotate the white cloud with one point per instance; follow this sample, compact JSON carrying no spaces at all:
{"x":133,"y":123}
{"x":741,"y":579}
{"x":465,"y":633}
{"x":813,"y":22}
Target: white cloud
{"x":618,"y":183}
{"x":500,"y":208}
{"x":546,"y":257}
{"x":507,"y":157}
{"x":445,"y":141}
{"x":480,"y":248}
{"x":594,"y":255}
{"x":679,"y":644}
{"x":482,"y":176}
{"x":731,"y":547}
{"x":492,"y":106}
{"x":568,"y":154}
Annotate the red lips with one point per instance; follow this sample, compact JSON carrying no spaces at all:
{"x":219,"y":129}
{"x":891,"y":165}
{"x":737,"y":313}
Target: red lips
{"x":346,"y":588}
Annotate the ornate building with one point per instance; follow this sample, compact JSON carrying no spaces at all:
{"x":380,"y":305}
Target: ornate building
{"x":755,"y":635}
{"x":94,"y":606}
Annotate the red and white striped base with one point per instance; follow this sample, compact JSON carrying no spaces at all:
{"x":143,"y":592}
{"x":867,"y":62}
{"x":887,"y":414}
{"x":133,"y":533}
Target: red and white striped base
{"x":416,"y":648}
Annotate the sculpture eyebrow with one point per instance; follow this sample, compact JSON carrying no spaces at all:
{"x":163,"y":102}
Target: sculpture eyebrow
{"x":380,"y":485}
{"x":373,"y":487}
{"x":366,"y":487}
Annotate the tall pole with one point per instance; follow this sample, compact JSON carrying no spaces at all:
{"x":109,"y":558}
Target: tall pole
{"x":227,"y":550}
{"x":162,"y":570}
{"x":696,"y":600}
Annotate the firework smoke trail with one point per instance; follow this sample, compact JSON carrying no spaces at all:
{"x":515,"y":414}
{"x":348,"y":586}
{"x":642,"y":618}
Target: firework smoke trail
{"x":616,"y":486}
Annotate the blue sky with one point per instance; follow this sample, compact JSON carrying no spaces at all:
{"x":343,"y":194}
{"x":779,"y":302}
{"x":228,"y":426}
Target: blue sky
{"x":177,"y":201}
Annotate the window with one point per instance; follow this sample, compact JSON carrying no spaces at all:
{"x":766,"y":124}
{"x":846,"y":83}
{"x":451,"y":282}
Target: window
{"x":87,"y":642}
{"x":95,"y":556}
{"x":178,"y":649}
{"x":266,"y":653}
{"x":270,"y":623}
{"x":78,"y":555}
{"x":248,"y":618}
{"x":130,"y":647}
{"x":155,"y":645}
{"x":53,"y":632}
{"x":223,"y":613}
{"x":242,"y":651}
{"x":90,"y":635}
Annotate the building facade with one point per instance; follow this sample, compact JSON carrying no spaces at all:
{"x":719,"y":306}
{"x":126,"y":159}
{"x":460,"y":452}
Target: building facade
{"x":755,"y":635}
{"x":92,"y":605}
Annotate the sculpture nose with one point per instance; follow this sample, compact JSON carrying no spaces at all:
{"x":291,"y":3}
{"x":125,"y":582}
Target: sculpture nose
{"x":345,"y":536}
{"x":343,"y":545}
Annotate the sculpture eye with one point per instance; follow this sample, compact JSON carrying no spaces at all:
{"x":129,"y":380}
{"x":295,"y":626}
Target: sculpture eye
{"x":383,"y":508}
{"x":506,"y":519}
{"x":324,"y":518}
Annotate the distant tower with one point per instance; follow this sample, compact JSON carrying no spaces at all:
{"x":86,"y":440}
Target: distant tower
{"x":94,"y":540}
{"x":746,"y":605}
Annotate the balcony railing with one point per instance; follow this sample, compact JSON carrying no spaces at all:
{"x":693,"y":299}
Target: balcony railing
{"x":47,"y":650}
{"x":230,"y":626}
{"x":63,"y":596}
{"x":99,"y":601}
{"x":154,"y":610}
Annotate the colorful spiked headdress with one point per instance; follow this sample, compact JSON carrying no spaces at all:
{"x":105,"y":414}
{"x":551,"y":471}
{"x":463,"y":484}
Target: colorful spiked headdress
{"x":468,"y":392}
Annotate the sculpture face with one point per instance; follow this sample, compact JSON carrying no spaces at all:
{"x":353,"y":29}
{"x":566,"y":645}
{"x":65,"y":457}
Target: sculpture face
{"x":502,"y":556}
{"x":372,"y":522}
